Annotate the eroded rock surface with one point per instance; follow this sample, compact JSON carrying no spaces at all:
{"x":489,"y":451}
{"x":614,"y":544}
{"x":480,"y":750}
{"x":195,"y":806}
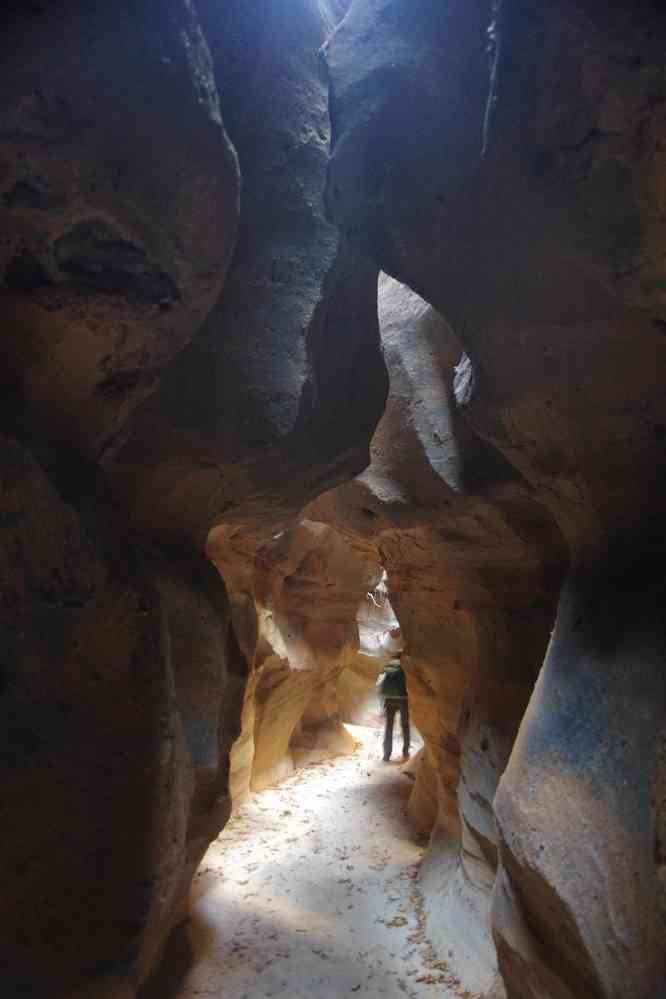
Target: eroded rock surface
{"x":280,"y":391}
{"x":119,"y":190}
{"x":308,"y":585}
{"x":596,"y":775}
{"x":180,"y":380}
{"x":457,"y":532}
{"x":522,"y":202}
{"x":118,"y":204}
{"x":84,"y":659}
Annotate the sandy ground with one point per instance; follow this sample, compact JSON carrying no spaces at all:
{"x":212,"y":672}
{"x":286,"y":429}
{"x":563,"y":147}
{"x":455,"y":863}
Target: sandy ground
{"x":310,"y":891}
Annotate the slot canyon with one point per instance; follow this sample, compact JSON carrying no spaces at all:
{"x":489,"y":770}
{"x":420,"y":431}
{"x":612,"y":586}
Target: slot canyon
{"x":334,"y":328}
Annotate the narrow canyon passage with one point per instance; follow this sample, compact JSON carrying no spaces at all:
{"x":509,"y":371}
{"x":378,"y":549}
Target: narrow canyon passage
{"x":311,"y":891}
{"x":334,"y":335}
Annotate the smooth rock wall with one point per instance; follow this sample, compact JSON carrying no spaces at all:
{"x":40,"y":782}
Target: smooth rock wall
{"x":586,"y":760}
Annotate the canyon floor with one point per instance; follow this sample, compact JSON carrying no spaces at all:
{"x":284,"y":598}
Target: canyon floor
{"x":311,"y":891}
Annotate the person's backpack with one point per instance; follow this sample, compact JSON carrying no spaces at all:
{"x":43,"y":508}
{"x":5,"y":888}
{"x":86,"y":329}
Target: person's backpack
{"x":393,"y":682}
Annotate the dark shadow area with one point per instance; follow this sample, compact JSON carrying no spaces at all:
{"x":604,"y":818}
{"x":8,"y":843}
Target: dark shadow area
{"x":167,"y":981}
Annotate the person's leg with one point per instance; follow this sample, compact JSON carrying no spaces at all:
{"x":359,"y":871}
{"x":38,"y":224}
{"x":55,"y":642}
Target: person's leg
{"x":389,"y":713}
{"x":404,"y":722}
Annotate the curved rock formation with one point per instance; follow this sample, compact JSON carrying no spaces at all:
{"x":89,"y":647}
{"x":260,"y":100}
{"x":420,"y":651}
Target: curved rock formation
{"x":119,"y":207}
{"x":521,"y":201}
{"x":473,"y":563}
{"x":121,"y":370}
{"x":308,"y":584}
{"x":190,"y":386}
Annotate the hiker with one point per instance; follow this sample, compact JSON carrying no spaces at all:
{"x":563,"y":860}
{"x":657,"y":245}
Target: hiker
{"x":393,"y":688}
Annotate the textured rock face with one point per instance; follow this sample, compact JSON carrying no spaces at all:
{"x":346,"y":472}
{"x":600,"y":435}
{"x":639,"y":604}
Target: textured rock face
{"x":118,"y":204}
{"x":167,"y":405}
{"x":549,"y":204}
{"x":456,"y":532}
{"x":308,"y":585}
{"x":280,"y":391}
{"x":130,"y":664}
{"x":522,"y":201}
{"x":107,"y":784}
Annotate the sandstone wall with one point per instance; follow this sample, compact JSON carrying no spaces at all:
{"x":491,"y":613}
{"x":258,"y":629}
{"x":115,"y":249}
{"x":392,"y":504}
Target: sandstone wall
{"x":522,"y":201}
{"x":185,"y":369}
{"x":119,"y":210}
{"x":308,"y":584}
{"x":128,"y":445}
{"x":473,"y":564}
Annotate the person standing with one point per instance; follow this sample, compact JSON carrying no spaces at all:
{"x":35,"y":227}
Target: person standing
{"x":393,"y":688}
